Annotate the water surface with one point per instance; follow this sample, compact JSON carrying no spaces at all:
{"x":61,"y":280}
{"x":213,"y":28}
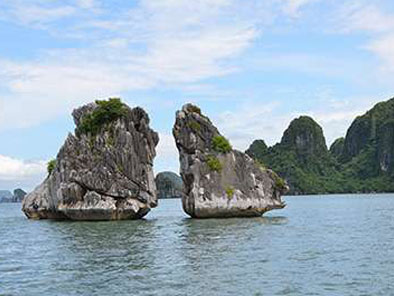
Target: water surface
{"x":320,"y":245}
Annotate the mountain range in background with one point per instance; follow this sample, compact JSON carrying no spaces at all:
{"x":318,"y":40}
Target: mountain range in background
{"x":362,"y":161}
{"x":7,"y":196}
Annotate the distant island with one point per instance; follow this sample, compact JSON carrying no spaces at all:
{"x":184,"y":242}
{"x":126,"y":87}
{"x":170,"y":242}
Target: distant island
{"x":168,"y":185}
{"x":362,"y":161}
{"x":17,"y":196}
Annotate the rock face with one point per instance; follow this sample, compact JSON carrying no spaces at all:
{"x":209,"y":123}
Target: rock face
{"x":301,"y":157}
{"x":363,"y":161}
{"x":19,"y":194}
{"x":257,"y":149}
{"x":104,"y":171}
{"x":336,"y":148}
{"x":305,"y":136}
{"x":169,"y":185}
{"x":219,"y":181}
{"x":5,"y":196}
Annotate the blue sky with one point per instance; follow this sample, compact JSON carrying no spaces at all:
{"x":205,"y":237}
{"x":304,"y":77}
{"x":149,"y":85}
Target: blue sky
{"x":251,"y":65}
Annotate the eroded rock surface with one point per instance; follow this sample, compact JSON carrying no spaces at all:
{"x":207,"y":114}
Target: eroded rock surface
{"x":101,"y":173}
{"x":220,"y":181}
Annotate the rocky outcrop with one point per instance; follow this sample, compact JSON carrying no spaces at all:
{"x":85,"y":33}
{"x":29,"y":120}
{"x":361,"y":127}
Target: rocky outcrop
{"x":257,"y":149}
{"x":169,"y":185}
{"x":19,"y":194}
{"x":336,"y":148}
{"x":104,"y":171}
{"x":5,"y":196}
{"x":218,"y":180}
{"x":305,"y":137}
{"x":301,"y":157}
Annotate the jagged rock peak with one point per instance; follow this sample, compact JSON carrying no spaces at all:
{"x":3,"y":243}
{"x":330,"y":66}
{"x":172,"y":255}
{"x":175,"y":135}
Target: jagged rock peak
{"x":218,"y":180}
{"x":104,"y":171}
{"x":305,"y":135}
{"x":336,"y":148}
{"x":257,"y":149}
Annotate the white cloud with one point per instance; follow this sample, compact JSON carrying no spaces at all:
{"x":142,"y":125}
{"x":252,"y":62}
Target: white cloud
{"x":253,"y":120}
{"x":156,"y":43}
{"x":384,"y":48}
{"x":378,"y":23}
{"x":20,"y":173}
{"x":167,"y":154}
{"x":293,"y":7}
{"x":360,"y":16}
{"x":86,"y":3}
{"x":35,"y":13}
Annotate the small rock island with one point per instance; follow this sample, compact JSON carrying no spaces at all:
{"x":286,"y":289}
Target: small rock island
{"x":218,"y":180}
{"x":104,"y":171}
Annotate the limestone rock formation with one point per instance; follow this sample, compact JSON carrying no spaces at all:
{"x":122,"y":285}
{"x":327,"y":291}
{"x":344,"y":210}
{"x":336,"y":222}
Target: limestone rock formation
{"x":19,"y":194}
{"x":169,"y":185}
{"x":336,"y":148}
{"x":104,"y":171}
{"x":301,"y":157}
{"x":5,"y":196}
{"x":218,"y":180}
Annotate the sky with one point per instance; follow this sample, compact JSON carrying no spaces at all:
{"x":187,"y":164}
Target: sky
{"x":251,"y":65}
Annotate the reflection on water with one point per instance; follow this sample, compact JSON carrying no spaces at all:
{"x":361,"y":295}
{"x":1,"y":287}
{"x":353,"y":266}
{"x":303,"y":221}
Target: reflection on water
{"x":334,"y":245}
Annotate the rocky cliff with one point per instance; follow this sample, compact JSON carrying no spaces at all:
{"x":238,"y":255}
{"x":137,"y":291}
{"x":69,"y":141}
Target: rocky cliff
{"x":363,"y":161}
{"x":302,"y":157}
{"x":169,"y":185}
{"x":19,"y":195}
{"x":103,"y":171}
{"x":336,"y":148}
{"x":218,"y":180}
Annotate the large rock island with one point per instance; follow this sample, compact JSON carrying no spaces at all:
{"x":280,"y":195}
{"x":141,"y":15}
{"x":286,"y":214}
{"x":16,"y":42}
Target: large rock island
{"x":104,"y":171}
{"x":169,"y":185}
{"x":218,"y":180}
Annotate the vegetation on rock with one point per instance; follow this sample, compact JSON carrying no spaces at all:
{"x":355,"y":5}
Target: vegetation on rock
{"x":230,"y":191}
{"x":363,"y":161}
{"x":194,"y":125}
{"x":214,"y":163}
{"x":194,"y":109}
{"x":51,"y":166}
{"x":221,"y":144}
{"x":106,"y":112}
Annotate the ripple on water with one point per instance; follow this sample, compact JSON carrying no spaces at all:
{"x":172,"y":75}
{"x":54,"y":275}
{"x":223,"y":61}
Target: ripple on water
{"x":331,"y":245}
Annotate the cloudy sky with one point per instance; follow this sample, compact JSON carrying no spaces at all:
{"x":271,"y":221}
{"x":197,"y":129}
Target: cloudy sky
{"x":252,"y":66}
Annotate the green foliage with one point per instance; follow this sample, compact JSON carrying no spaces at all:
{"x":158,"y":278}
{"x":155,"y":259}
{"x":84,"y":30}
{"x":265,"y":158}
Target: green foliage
{"x":194,"y":109}
{"x":221,"y":144}
{"x":229,"y":191}
{"x":106,"y":112}
{"x":214,"y":163}
{"x":51,"y":166}
{"x":354,"y":164}
{"x":194,"y":125}
{"x":279,"y":182}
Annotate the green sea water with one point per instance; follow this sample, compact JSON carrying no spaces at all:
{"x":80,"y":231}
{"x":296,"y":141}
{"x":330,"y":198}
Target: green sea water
{"x":320,"y":245}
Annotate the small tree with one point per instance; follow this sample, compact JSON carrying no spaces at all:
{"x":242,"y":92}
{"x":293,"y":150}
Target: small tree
{"x":51,"y":166}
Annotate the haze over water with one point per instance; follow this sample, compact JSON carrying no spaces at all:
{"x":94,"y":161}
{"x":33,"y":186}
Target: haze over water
{"x":321,"y":245}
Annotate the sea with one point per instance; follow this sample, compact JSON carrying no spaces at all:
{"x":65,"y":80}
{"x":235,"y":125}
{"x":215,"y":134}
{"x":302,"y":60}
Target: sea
{"x":317,"y":245}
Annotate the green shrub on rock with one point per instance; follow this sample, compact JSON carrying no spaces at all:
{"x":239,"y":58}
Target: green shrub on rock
{"x":194,"y":125}
{"x":195,"y":109}
{"x":230,"y":191}
{"x":51,"y":166}
{"x":214,"y":163}
{"x":106,"y":112}
{"x":221,"y":144}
